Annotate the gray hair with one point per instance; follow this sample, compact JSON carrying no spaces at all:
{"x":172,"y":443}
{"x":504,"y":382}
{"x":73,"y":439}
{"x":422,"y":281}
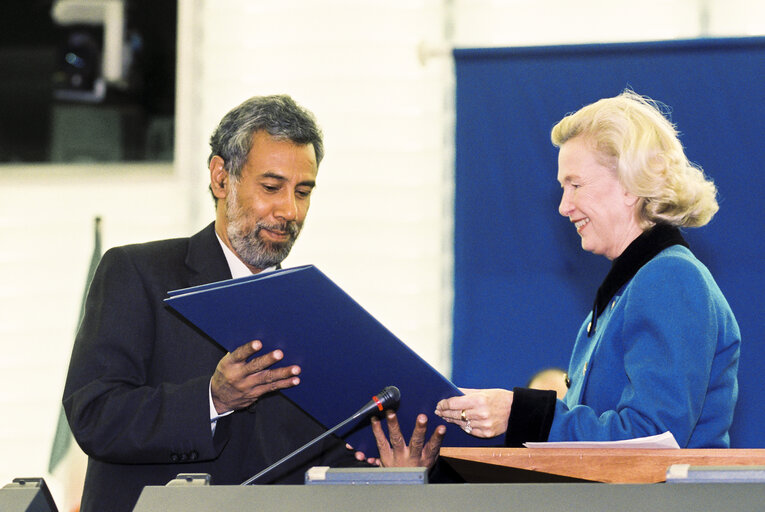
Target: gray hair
{"x":278,"y":115}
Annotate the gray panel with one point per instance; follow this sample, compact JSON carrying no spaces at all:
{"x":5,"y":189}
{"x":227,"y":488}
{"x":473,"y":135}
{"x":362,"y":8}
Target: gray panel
{"x":458,"y":497}
{"x":26,"y":495}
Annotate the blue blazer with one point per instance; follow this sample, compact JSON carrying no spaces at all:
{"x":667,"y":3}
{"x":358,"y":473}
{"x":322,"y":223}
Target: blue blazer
{"x":664,"y":357}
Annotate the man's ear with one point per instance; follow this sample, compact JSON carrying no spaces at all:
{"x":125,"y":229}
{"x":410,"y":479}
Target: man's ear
{"x":218,"y":177}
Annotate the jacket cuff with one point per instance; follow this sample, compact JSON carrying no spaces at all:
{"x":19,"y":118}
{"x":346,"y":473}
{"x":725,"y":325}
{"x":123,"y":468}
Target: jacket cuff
{"x":531,"y":416}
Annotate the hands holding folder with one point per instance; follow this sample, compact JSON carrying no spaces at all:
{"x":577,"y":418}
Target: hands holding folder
{"x":338,"y":353}
{"x":241,"y":378}
{"x":239,"y":381}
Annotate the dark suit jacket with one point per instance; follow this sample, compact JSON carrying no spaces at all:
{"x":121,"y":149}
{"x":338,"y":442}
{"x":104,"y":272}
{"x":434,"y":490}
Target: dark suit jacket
{"x":136,"y":394}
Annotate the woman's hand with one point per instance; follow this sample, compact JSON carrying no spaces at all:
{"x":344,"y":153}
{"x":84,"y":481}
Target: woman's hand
{"x":480,"y":412}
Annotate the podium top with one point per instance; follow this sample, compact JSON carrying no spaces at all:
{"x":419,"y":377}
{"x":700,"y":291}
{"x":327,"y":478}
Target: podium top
{"x":454,"y":497}
{"x":612,"y":465}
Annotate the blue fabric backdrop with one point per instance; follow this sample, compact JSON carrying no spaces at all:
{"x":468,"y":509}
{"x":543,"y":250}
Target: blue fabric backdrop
{"x":522,"y":282}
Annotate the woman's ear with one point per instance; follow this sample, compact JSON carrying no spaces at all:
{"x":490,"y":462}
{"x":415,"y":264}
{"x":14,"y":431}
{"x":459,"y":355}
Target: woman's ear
{"x":630,"y":199}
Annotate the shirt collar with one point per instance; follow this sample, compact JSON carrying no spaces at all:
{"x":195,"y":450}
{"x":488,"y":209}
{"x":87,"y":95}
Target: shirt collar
{"x":638,"y":253}
{"x":235,"y":265}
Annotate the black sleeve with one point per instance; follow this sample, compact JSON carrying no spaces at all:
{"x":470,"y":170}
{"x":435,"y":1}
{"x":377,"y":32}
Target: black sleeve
{"x":531,"y":416}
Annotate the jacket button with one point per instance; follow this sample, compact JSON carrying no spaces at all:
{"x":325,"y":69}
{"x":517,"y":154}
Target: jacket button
{"x":193,"y":455}
{"x":174,"y":457}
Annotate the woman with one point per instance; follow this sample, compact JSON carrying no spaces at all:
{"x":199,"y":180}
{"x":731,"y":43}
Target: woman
{"x":660,"y":349}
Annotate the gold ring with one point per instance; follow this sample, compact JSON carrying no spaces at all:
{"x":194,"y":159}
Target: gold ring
{"x":463,"y":416}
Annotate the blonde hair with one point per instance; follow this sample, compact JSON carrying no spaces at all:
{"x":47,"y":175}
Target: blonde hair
{"x":643,"y":148}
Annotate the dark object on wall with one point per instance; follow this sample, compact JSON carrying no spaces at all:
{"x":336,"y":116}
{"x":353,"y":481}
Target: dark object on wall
{"x":78,"y":65}
{"x":55,"y":89}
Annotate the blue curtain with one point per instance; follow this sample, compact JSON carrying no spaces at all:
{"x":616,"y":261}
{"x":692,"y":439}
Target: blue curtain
{"x":522,"y":282}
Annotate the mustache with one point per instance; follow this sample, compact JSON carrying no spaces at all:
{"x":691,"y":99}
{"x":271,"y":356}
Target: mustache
{"x":291,"y":227}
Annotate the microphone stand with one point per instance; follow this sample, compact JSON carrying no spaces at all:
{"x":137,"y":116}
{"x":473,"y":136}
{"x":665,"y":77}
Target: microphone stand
{"x":361,"y":412}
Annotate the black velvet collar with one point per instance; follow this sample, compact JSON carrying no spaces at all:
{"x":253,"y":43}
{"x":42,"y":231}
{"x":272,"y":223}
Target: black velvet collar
{"x":624,"y":268}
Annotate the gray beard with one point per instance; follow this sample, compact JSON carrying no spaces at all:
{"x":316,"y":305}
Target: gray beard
{"x":249,"y":245}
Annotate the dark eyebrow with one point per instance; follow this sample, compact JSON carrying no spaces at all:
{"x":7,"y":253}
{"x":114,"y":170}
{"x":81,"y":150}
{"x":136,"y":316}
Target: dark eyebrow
{"x":279,"y":177}
{"x":273,"y":176}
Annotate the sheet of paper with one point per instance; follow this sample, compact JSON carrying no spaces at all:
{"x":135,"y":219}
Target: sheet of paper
{"x":659,"y":441}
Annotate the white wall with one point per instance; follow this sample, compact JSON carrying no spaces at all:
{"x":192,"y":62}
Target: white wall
{"x":378,"y":76}
{"x":46,"y":219}
{"x":380,"y":211}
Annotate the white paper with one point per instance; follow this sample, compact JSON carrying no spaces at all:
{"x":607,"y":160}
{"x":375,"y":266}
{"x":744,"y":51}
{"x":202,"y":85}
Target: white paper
{"x":659,"y":441}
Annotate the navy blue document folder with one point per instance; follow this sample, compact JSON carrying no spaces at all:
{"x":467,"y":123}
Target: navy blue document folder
{"x":345,"y":354}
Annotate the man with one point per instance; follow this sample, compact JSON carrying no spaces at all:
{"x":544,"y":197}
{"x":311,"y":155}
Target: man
{"x":147,"y":396}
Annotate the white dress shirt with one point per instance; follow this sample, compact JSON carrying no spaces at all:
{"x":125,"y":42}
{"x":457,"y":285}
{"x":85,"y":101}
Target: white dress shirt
{"x":238,"y":269}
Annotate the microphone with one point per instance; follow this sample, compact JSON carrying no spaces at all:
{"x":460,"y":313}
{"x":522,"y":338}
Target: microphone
{"x":388,"y":398}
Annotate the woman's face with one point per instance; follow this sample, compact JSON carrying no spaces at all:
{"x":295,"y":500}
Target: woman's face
{"x":604,"y":213}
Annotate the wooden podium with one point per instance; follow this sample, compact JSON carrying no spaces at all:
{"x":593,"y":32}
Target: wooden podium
{"x":613,"y":465}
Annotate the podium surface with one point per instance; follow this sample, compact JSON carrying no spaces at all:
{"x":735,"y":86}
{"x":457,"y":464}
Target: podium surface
{"x":586,"y":466}
{"x":612,"y":465}
{"x":456,"y":497}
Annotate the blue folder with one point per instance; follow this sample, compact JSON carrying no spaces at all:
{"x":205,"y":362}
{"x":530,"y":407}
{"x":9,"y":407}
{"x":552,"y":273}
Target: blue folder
{"x":345,"y":354}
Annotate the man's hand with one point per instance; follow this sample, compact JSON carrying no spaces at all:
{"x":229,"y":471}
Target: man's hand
{"x":361,"y":456}
{"x":237,"y":383}
{"x":396,"y":453}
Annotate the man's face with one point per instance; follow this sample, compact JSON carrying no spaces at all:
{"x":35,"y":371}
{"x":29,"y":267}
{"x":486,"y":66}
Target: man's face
{"x":265,"y":209}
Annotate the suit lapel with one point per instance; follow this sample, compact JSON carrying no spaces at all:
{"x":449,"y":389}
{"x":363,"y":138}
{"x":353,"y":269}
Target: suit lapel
{"x":205,"y":258}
